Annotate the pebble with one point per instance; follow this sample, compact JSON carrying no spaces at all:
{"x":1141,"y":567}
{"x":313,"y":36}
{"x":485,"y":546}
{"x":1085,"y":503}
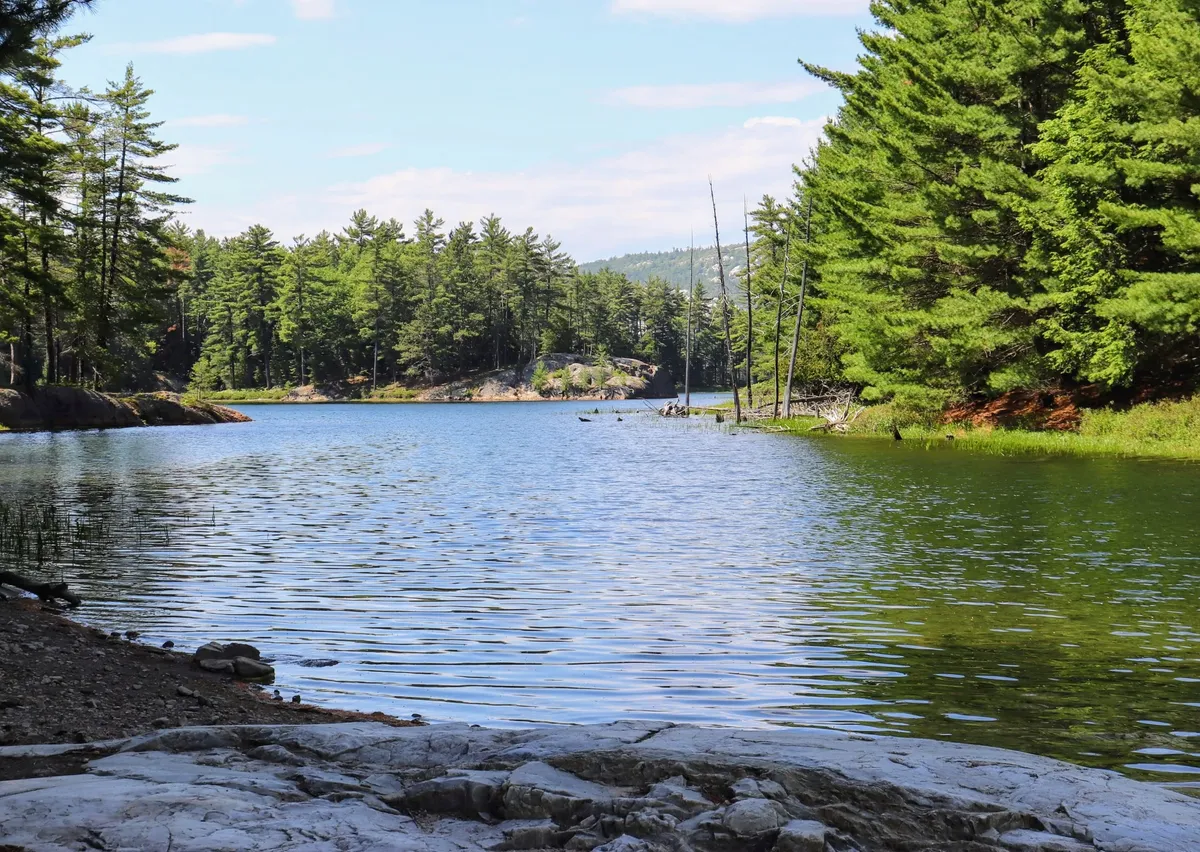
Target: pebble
{"x":296,"y":699}
{"x":131,"y":635}
{"x":168,"y":644}
{"x":185,"y":692}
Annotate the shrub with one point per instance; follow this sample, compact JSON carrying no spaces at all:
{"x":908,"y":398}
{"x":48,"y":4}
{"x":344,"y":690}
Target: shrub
{"x":540,"y":379}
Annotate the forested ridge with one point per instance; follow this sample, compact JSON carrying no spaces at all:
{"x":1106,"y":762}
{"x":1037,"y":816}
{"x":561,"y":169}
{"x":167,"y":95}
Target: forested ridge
{"x":103,"y":286}
{"x":1008,"y":198}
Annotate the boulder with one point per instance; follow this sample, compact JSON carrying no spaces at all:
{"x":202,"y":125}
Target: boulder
{"x":248,"y":669}
{"x":241,"y":649}
{"x":801,"y":835}
{"x":754,"y":817}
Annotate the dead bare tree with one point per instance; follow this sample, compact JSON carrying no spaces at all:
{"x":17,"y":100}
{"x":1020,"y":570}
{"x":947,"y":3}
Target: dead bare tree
{"x":687,"y":360}
{"x":737,"y":401}
{"x":787,"y":250}
{"x":840,"y":414}
{"x":749,"y":313}
{"x":787,"y":396}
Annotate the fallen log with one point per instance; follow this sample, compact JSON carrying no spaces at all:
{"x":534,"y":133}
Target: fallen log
{"x":47,"y":592}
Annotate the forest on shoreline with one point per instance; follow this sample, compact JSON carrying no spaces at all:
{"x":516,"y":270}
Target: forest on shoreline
{"x":1013,"y":204}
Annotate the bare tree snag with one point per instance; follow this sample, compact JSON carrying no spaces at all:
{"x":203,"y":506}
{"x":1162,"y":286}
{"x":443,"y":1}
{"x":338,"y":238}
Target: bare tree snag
{"x":737,"y":401}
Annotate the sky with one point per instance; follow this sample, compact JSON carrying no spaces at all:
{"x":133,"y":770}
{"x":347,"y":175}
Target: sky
{"x":598,"y":122}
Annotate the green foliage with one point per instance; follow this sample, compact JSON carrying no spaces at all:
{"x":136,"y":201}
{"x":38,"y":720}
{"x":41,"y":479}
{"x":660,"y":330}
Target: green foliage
{"x":540,"y":379}
{"x":1169,"y":430}
{"x":1012,"y":203}
{"x":564,"y":380}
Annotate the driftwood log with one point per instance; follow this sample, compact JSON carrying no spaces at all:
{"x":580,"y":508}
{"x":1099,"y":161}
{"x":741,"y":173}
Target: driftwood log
{"x":47,"y":592}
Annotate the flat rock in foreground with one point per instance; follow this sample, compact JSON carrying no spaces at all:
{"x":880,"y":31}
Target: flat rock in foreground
{"x":625,"y":787}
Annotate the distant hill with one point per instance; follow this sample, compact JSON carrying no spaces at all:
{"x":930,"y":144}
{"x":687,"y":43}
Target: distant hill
{"x":673,"y":265}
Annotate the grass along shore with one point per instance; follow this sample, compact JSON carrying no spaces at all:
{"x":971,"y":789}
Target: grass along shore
{"x":1163,"y":430}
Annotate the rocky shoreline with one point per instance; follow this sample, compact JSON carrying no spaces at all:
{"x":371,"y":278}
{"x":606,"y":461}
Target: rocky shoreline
{"x":58,"y":409}
{"x":624,"y":787}
{"x":106,"y":743}
{"x":62,"y":682}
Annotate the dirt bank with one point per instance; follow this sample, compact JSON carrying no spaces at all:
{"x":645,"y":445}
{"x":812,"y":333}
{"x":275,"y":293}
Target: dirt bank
{"x":65,"y":408}
{"x":61,"y":682}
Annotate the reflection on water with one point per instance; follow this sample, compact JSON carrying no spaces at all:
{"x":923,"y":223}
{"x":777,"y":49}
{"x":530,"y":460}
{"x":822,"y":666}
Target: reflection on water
{"x":509,"y":564}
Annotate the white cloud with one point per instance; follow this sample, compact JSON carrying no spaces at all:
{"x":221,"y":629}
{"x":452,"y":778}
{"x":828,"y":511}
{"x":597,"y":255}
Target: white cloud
{"x":646,"y":198}
{"x":694,"y":95}
{"x":367,"y":149}
{"x":313,"y":10}
{"x":773,"y":121}
{"x":197,"y":43}
{"x":218,"y":120}
{"x":739,"y":11}
{"x":189,"y":160}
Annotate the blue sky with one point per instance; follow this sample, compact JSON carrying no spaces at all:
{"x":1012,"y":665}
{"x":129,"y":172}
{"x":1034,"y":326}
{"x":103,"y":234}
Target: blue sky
{"x":597,"y":121}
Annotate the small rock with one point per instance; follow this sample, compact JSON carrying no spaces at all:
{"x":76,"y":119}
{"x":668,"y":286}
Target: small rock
{"x":161,"y":722}
{"x":211,"y":651}
{"x":253,"y":670}
{"x":277,"y":696}
{"x":131,"y":635}
{"x":317,"y":664}
{"x":185,"y":692}
{"x":650,"y":823}
{"x":241,"y":649}
{"x":217,"y":666}
{"x":116,"y":634}
{"x":751,"y":817}
{"x":801,"y":835}
{"x":168,"y":645}
{"x":296,"y":699}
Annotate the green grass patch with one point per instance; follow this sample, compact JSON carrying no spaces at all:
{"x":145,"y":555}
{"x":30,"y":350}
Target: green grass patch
{"x":394,"y":393}
{"x":243,"y":395}
{"x":1163,"y":430}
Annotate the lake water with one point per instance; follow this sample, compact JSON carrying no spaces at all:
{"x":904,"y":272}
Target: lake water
{"x":508,"y":564}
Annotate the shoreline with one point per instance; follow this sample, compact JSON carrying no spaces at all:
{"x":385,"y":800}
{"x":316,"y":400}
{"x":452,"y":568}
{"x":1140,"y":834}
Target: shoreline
{"x":72,"y":409}
{"x":64,"y":682}
{"x":999,"y":441}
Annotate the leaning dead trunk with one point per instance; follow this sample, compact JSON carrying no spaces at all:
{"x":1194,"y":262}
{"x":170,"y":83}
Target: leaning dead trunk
{"x":787,"y":397}
{"x":749,"y":314}
{"x":687,"y":360}
{"x":737,"y":402}
{"x":787,"y":249}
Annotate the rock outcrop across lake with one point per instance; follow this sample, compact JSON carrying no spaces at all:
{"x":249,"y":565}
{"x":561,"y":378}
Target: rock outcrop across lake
{"x":67,"y":408}
{"x":561,"y":376}
{"x":625,"y":787}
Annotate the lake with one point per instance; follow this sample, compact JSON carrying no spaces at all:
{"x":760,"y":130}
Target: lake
{"x":508,"y":564}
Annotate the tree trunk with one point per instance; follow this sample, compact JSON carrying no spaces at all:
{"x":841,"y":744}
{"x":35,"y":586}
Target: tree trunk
{"x":117,"y":214}
{"x":787,"y":247}
{"x":48,"y":592}
{"x":749,"y":315}
{"x":687,"y":362}
{"x":737,"y":402}
{"x":787,"y":397}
